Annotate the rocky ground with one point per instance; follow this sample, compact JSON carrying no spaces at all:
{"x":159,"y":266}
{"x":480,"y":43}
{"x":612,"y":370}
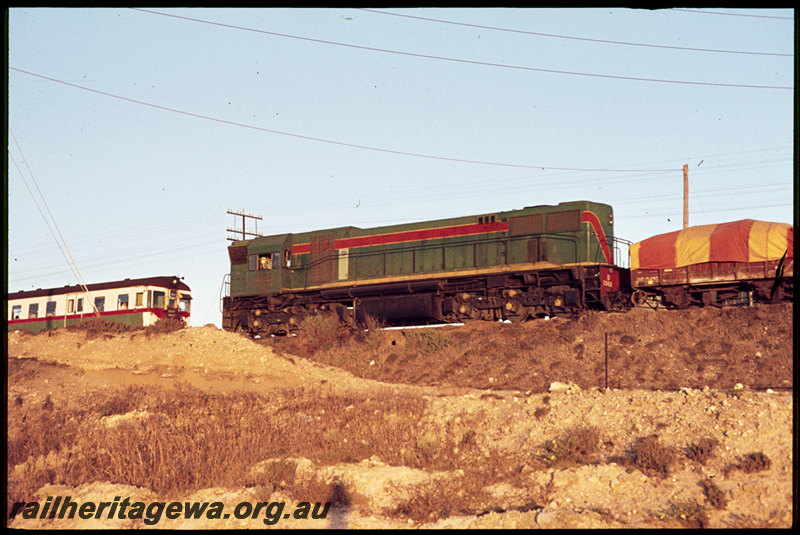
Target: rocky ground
{"x":467,"y":428}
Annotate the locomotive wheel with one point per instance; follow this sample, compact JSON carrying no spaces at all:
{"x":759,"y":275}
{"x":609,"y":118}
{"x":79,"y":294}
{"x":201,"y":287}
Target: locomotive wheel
{"x":514,"y":311}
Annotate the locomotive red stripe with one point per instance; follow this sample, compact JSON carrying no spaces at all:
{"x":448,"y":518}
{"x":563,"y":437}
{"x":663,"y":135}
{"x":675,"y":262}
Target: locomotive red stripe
{"x":409,"y":236}
{"x":447,"y":232}
{"x":594,"y":221}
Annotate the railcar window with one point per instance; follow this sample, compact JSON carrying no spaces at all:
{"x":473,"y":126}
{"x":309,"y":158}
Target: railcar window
{"x":184,"y":305}
{"x":252,"y":262}
{"x":33,"y":310}
{"x":100,"y":303}
{"x":70,"y":306}
{"x":80,"y":305}
{"x":50,"y":308}
{"x":159,"y":299}
{"x":122,"y":302}
{"x":139,"y":299}
{"x":16,"y":310}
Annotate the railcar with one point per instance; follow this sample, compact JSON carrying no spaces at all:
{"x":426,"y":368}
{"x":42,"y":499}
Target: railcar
{"x":510,"y":265}
{"x":736,"y":263}
{"x":136,"y":302}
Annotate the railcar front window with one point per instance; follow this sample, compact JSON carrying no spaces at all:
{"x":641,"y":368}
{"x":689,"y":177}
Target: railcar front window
{"x":184,"y":305}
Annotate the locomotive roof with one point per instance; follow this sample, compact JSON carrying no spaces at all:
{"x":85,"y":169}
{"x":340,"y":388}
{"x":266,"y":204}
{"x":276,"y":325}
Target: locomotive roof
{"x":164,"y":281}
{"x":275,"y":239}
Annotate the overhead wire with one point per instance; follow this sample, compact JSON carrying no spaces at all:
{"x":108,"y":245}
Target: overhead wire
{"x":324,"y":140}
{"x":65,"y":251}
{"x":458,"y":60}
{"x":557,"y":36}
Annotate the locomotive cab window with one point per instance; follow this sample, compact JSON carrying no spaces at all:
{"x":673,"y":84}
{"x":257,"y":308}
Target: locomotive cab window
{"x":269,"y":261}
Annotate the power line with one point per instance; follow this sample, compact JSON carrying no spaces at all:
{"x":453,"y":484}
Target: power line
{"x":731,"y":14}
{"x":467,"y":61}
{"x":604,"y":41}
{"x":65,"y":251}
{"x":329,"y":141}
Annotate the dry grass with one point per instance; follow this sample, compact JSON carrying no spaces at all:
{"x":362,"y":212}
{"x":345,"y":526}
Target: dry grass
{"x":96,"y":437}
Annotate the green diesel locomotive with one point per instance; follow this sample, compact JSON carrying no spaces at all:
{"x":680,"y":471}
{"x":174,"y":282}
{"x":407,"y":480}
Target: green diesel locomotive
{"x":513,"y":265}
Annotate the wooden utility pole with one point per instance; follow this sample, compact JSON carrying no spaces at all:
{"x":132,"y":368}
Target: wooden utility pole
{"x":685,"y":195}
{"x":244,"y":232}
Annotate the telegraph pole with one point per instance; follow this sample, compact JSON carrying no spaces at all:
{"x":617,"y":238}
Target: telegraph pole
{"x":244,"y":233}
{"x":685,"y":195}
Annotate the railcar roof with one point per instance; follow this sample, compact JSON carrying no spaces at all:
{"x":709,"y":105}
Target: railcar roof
{"x":165,"y":281}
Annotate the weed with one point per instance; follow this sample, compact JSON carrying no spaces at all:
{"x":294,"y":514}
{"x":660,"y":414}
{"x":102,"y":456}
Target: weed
{"x":716,"y":497}
{"x":427,"y":341}
{"x":750,"y":463}
{"x":321,"y":331}
{"x":702,"y":450}
{"x":650,"y":456}
{"x":690,"y":514}
{"x":165,"y":325}
{"x":577,"y":446}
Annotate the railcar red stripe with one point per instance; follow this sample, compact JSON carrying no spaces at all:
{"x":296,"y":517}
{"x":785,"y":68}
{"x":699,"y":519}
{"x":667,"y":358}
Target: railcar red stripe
{"x":159,"y":312}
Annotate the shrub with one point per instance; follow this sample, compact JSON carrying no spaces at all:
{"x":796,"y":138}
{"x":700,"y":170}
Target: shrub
{"x":701,"y":450}
{"x":321,"y":331}
{"x":750,"y":463}
{"x":714,"y":495}
{"x":651,"y":457}
{"x":575,"y":447}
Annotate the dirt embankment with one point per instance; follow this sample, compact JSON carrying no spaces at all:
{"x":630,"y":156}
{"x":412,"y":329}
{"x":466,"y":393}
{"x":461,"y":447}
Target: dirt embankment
{"x":454,"y":427}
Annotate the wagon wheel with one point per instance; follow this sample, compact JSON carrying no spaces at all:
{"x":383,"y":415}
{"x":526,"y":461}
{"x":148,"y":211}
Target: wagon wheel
{"x":638,"y":298}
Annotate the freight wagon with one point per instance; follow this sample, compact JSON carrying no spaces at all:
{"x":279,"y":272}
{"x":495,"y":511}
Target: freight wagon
{"x":736,"y":263}
{"x":136,"y":302}
{"x":536,"y":261}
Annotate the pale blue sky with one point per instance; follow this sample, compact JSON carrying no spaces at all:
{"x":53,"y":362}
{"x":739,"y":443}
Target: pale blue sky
{"x":141,"y":130}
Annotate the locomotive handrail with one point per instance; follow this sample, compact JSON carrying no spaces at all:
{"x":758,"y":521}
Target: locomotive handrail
{"x":334,"y":257}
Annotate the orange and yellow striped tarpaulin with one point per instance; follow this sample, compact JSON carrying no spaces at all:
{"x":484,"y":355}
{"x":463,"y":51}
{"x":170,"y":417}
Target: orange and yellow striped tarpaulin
{"x":746,"y":240}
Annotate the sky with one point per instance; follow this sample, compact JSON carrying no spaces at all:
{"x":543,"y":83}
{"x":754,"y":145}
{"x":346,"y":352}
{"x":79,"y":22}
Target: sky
{"x":132,"y":132}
